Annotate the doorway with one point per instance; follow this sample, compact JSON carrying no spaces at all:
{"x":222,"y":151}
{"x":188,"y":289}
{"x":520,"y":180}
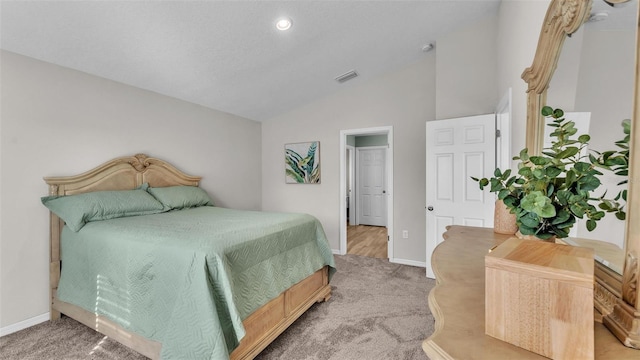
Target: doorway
{"x":485,"y":142}
{"x":350,"y":183}
{"x":374,"y":198}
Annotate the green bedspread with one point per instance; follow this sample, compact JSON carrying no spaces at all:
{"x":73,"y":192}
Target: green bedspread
{"x":188,"y":278}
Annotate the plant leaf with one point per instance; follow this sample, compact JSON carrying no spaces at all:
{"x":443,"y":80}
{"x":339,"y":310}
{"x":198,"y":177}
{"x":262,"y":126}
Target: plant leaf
{"x":531,"y":220}
{"x":558,"y":113}
{"x":569,"y":151}
{"x":553,"y":171}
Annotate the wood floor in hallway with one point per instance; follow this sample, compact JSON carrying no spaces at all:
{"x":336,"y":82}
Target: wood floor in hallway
{"x":367,"y":240}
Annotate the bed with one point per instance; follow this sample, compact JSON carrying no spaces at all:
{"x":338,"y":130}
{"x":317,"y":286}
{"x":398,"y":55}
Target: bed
{"x":244,"y":303}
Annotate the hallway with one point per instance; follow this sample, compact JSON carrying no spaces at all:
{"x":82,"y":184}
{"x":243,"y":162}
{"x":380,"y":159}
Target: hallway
{"x":367,"y":240}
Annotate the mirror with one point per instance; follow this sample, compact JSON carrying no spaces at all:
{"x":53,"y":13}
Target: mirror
{"x":593,"y":83}
{"x":583,"y":85}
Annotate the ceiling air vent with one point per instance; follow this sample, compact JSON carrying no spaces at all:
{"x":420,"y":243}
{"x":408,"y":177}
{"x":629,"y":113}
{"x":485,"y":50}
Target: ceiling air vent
{"x":346,"y":76}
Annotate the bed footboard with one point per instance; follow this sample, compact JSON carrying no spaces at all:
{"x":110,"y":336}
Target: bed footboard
{"x":262,"y":327}
{"x":272,"y":319}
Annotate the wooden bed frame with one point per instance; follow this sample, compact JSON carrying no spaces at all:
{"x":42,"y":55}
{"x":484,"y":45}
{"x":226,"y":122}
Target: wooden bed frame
{"x":126,"y":173}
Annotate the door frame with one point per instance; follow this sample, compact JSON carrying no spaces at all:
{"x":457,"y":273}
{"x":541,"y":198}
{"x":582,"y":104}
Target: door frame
{"x":357,"y":176}
{"x":380,"y":130}
{"x":353,"y":211}
{"x":503,"y":124}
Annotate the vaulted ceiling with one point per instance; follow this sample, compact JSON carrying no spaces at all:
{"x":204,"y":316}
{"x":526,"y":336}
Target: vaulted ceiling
{"x":228,"y":55}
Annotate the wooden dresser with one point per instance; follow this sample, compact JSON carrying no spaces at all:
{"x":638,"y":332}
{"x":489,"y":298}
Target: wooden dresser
{"x":457,"y":304}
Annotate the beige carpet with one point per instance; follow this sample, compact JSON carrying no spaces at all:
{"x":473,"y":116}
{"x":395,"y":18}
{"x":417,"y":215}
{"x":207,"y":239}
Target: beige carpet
{"x":378,"y":310}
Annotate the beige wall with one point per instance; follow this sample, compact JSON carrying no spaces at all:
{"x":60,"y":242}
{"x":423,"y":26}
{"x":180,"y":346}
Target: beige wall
{"x":466,"y":76}
{"x":562,"y":89}
{"x":57,"y":121}
{"x":403,"y":99}
{"x":519,"y":24}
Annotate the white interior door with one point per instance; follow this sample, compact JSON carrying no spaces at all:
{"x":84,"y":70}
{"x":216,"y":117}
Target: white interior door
{"x":371,"y":182}
{"x":458,"y":149}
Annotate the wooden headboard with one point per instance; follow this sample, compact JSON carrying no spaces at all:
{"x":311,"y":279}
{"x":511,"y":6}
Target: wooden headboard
{"x":124,"y":173}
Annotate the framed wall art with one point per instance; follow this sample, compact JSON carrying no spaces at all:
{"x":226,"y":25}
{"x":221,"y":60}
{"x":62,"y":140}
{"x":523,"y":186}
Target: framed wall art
{"x":302,"y":163}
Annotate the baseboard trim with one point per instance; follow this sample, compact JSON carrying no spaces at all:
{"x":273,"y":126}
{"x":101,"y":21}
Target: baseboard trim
{"x":336,"y":252}
{"x":24,"y":324}
{"x":408,"y":262}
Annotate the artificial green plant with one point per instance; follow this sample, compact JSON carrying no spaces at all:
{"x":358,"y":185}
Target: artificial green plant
{"x":551,"y":190}
{"x":616,"y":161}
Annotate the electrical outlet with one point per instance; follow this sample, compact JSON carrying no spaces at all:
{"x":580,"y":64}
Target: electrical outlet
{"x":405,"y":234}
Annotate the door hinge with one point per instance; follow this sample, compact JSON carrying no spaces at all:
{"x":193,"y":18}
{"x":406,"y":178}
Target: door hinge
{"x":388,"y":238}
{"x":498,"y":134}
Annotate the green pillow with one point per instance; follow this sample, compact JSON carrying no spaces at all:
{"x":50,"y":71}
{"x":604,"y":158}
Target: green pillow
{"x":77,"y":210}
{"x":181,"y":197}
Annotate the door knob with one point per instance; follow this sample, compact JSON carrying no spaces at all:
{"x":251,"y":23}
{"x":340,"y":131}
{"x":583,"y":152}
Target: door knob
{"x":430,"y":208}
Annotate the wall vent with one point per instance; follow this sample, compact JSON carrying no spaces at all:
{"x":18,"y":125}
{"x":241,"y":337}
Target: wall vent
{"x":346,"y":76}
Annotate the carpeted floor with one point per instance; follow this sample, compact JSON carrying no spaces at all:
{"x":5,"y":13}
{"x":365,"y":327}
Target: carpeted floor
{"x":378,"y":310}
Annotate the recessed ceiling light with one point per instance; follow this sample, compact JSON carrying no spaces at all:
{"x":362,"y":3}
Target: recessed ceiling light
{"x":284,"y":24}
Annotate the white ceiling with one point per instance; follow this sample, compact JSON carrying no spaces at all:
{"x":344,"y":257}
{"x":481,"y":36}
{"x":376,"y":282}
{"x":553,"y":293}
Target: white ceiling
{"x":227,"y":55}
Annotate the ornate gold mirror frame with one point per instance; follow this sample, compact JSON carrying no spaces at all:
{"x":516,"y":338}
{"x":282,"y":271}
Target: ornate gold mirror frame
{"x":616,"y":296}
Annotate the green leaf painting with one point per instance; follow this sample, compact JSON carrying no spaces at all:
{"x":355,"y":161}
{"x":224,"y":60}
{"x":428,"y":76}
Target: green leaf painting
{"x":302,"y":163}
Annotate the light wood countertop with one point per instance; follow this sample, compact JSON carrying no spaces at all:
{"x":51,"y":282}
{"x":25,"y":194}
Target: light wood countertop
{"x":458,"y":304}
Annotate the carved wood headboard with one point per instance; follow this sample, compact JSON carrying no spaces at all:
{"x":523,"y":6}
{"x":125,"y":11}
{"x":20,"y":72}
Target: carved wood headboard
{"x":123,"y":173}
